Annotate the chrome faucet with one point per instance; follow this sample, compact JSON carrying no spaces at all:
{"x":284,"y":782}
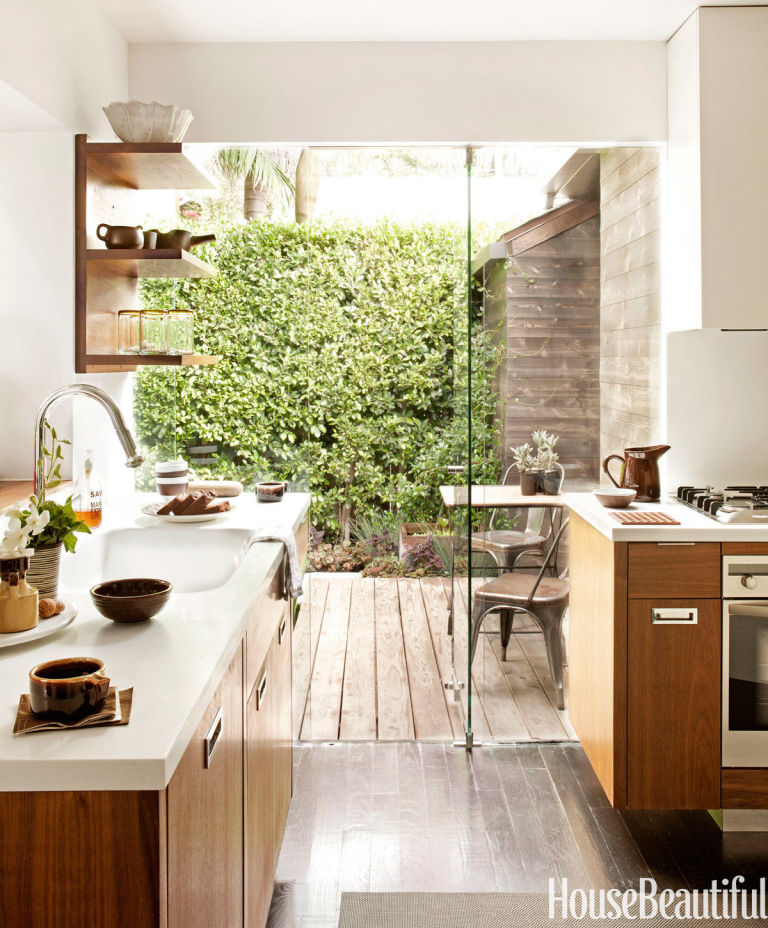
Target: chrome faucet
{"x":132,"y":457}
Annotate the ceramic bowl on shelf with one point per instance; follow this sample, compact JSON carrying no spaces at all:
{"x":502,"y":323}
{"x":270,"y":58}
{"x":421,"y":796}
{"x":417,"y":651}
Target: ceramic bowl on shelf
{"x":132,"y":600}
{"x":147,"y":122}
{"x":615,"y":497}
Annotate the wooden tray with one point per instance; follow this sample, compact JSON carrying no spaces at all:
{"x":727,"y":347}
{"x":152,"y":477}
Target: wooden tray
{"x":644,"y":518}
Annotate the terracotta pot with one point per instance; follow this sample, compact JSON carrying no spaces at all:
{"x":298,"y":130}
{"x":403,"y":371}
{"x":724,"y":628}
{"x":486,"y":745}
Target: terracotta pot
{"x":43,"y":572}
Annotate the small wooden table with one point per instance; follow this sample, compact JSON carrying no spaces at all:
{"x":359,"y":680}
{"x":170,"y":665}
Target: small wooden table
{"x":498,"y":497}
{"x":491,"y":496}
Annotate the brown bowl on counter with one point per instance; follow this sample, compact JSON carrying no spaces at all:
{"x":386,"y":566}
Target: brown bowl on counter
{"x":133,"y":600}
{"x":271,"y":491}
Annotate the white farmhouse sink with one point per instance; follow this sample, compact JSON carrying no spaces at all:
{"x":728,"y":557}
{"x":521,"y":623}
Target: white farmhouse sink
{"x":192,"y":560}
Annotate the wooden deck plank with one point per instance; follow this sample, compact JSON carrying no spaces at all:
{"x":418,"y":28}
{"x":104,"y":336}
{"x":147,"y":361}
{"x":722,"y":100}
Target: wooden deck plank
{"x":491,"y":688}
{"x":321,"y":721}
{"x":541,"y":717}
{"x":305,"y":637}
{"x":430,"y":713}
{"x":436,"y":608}
{"x":358,"y":703}
{"x":395,"y":714}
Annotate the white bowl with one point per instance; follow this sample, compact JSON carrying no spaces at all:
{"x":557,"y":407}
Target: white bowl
{"x":615,"y":497}
{"x":148,"y":122}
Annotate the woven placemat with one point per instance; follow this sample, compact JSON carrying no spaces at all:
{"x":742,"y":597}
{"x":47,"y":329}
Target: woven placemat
{"x":116,"y":711}
{"x":644,"y":518}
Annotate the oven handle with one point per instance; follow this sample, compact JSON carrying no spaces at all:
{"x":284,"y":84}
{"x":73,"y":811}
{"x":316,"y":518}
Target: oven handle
{"x":759,"y":609}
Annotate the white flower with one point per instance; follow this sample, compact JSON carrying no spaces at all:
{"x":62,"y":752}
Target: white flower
{"x":36,"y":521}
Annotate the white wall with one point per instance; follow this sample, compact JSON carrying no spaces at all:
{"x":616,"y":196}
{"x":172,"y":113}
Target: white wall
{"x":65,"y":57}
{"x":37,"y":270}
{"x":403,"y":92}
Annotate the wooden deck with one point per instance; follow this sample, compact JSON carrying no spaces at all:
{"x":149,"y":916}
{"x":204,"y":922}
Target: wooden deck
{"x":371,"y":657}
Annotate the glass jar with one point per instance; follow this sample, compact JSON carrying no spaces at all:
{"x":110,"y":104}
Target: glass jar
{"x":181,"y":334}
{"x":128,"y":331}
{"x":153,"y":329}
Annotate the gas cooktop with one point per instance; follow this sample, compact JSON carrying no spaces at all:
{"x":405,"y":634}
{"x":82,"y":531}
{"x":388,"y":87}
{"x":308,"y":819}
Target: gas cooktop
{"x":739,"y":504}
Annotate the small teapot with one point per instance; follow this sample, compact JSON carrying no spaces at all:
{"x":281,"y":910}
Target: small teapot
{"x":181,"y":238}
{"x":120,"y":236}
{"x":639,"y":471}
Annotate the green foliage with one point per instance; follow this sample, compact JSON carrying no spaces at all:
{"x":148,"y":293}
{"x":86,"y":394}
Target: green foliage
{"x":51,"y":456}
{"x":343,"y":366}
{"x":61,"y":527}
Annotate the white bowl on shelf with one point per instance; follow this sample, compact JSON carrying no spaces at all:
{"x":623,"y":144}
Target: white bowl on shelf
{"x":148,"y":122}
{"x":615,"y":497}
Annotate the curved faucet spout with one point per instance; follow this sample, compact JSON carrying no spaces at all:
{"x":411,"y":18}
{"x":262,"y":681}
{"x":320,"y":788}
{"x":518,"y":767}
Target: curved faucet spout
{"x":132,"y":457}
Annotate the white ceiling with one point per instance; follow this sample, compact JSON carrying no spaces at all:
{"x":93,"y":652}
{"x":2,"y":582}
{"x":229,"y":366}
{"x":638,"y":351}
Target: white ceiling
{"x":399,"y":20}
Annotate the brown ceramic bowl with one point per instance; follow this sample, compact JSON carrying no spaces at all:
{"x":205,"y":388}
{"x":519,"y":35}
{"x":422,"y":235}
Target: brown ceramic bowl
{"x":271,"y":491}
{"x":615,"y":497}
{"x":133,"y":600}
{"x":68,"y":688}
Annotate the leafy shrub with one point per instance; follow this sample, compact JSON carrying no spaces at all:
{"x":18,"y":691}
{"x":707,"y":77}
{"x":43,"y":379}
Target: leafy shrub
{"x":342,"y":366}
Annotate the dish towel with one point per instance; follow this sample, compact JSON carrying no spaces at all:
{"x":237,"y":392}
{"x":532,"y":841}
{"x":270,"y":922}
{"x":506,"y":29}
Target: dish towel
{"x":293,"y":577}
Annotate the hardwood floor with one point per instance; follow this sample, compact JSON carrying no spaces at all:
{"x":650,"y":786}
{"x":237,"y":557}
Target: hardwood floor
{"x":429,"y":817}
{"x":372,"y":657}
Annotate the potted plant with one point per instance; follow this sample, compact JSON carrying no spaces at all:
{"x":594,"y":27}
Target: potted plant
{"x":537,"y":464}
{"x":53,"y":525}
{"x":548,"y":476}
{"x":524,"y":459}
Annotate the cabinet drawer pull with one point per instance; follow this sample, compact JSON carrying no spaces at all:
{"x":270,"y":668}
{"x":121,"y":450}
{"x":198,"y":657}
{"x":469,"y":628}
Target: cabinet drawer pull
{"x":675,"y":616}
{"x":261,"y":691}
{"x":675,"y":544}
{"x":281,"y":630}
{"x":213,"y":737}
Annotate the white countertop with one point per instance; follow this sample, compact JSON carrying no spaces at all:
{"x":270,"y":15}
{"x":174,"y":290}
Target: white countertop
{"x":693,"y":525}
{"x":174,"y":662}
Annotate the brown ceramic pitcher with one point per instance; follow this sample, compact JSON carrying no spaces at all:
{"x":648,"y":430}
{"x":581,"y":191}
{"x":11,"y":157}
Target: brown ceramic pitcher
{"x":639,"y":471}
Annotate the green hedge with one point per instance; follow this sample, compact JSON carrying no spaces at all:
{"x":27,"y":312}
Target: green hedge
{"x":338,"y":369}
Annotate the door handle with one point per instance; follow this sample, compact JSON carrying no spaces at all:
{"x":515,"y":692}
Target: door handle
{"x":213,"y":737}
{"x":261,"y":691}
{"x":675,"y":616}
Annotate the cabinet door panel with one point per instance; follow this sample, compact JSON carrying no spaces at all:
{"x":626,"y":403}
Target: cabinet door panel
{"x":282,"y":706}
{"x":673,"y":718}
{"x":205,"y":816}
{"x":260,"y":853}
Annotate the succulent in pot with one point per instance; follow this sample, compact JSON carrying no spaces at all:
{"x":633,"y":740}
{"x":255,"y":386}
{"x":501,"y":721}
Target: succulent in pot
{"x":538,"y":464}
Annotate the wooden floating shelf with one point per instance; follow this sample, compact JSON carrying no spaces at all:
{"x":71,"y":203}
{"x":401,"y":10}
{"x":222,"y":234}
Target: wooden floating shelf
{"x":144,"y":262}
{"x":146,"y":166}
{"x":95,"y":363}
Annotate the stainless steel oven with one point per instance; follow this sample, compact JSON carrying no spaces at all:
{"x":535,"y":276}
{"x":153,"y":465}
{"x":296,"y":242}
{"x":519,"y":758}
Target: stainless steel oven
{"x":745,"y":661}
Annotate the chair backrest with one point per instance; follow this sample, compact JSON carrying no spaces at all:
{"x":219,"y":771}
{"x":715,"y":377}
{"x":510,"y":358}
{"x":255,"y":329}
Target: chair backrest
{"x":551,"y":553}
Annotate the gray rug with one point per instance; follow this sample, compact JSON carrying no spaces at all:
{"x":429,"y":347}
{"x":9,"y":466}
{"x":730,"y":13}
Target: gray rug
{"x":482,"y":910}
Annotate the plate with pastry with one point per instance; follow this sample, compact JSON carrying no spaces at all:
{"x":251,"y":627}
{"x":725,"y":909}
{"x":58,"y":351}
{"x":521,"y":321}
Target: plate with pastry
{"x":197,"y":506}
{"x":53,"y":615}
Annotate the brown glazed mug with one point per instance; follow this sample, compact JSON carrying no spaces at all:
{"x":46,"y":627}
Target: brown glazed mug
{"x":68,"y":688}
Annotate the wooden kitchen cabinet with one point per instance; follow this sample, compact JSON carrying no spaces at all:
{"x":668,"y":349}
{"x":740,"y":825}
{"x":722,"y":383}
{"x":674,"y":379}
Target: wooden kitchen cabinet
{"x":268,"y":772}
{"x":645,"y":697}
{"x":205,"y":815}
{"x":201,"y":852}
{"x":673,"y":704}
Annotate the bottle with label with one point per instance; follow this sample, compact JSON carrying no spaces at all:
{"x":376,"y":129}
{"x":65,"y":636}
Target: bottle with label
{"x":86,"y":498}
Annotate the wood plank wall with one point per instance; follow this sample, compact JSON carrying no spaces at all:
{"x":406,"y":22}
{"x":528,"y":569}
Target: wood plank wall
{"x":546,"y":304}
{"x":630,"y":324}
